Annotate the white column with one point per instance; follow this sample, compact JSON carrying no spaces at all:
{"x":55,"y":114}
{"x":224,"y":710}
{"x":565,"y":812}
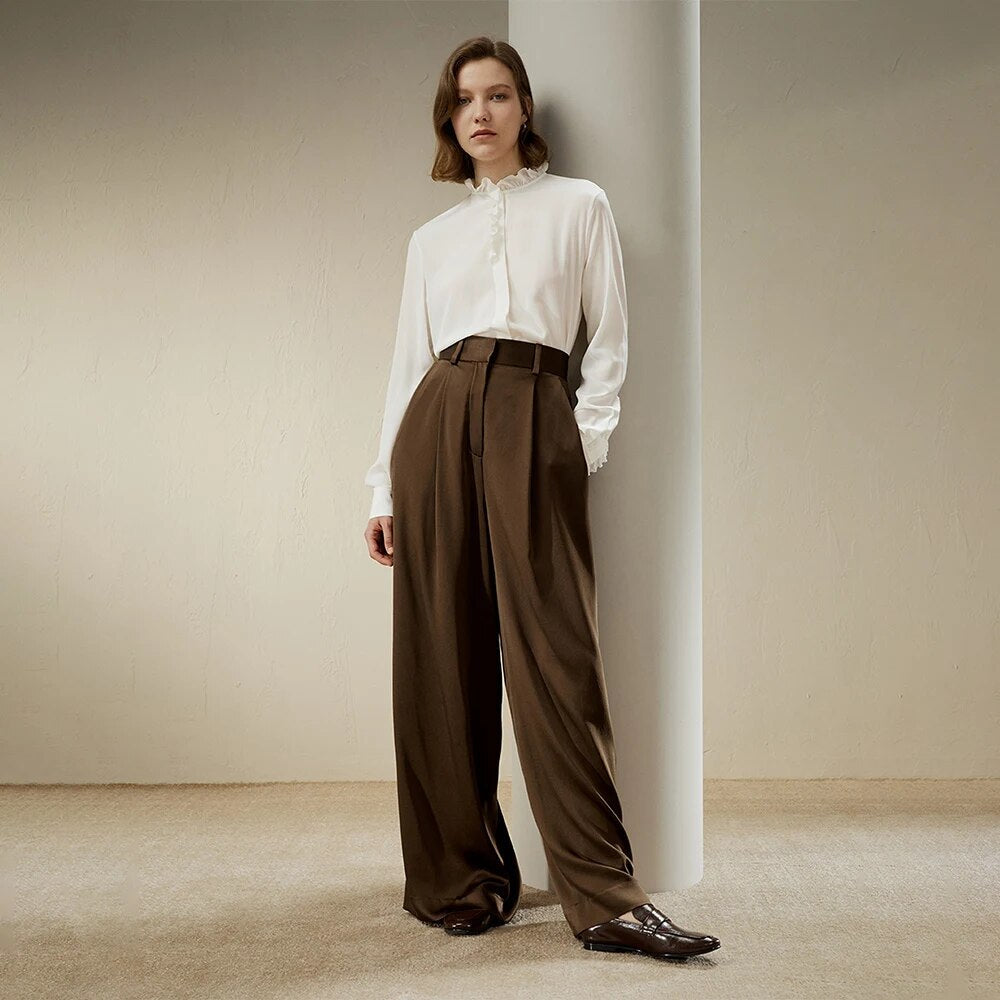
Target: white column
{"x":616,"y":89}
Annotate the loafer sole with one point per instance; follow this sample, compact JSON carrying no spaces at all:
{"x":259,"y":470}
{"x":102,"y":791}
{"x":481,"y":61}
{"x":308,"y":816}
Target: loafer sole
{"x":599,"y":946}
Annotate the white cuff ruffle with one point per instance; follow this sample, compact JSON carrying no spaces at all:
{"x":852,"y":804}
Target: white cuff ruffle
{"x":595,"y":448}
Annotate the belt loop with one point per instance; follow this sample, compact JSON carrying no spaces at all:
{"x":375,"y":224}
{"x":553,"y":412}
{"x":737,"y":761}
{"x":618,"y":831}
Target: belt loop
{"x":538,"y":358}
{"x":458,"y":350}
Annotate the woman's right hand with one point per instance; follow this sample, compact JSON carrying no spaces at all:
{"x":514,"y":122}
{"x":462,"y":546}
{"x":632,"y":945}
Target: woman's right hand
{"x":378,"y":534}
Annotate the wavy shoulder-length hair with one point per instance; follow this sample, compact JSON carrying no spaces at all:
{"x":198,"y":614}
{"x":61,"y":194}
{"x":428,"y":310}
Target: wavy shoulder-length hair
{"x":451,"y":162}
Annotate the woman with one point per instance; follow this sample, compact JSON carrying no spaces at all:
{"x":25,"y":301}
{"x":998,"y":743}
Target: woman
{"x":480,"y":507}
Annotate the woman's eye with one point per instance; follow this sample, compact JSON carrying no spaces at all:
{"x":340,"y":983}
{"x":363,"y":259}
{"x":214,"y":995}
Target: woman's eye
{"x":462,"y":100}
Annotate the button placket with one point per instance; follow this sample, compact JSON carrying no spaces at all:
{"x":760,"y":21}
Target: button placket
{"x":496,"y":194}
{"x":498,"y":257}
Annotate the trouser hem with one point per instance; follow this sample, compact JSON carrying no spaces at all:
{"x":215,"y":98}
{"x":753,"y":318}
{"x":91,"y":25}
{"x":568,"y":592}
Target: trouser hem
{"x":623,"y":895}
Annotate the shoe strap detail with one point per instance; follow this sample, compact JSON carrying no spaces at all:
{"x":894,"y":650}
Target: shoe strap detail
{"x":651,"y":917}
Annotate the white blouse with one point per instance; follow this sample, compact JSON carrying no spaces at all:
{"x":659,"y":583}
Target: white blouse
{"x":523,"y":258}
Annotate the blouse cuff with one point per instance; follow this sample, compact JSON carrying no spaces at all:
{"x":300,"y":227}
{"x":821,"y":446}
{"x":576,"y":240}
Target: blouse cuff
{"x":381,"y":502}
{"x":595,"y":448}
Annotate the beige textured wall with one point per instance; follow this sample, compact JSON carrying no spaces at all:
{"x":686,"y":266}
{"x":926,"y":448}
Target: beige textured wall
{"x":204,"y":209}
{"x":851,"y":413}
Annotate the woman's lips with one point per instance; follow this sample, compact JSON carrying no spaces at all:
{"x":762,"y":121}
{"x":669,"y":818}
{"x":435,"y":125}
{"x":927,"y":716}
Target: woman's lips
{"x":485,"y":135}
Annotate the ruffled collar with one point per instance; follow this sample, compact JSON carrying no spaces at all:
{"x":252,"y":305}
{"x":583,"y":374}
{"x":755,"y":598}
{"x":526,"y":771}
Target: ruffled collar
{"x":523,"y":176}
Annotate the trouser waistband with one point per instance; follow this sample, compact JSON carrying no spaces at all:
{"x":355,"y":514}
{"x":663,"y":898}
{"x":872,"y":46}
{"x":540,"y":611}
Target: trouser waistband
{"x":503,"y":351}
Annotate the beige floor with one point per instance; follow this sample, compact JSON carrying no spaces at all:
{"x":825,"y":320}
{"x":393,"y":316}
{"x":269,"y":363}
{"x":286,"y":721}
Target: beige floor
{"x":818,"y":889}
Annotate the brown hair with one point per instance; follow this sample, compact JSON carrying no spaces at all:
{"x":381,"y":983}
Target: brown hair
{"x":451,"y":162}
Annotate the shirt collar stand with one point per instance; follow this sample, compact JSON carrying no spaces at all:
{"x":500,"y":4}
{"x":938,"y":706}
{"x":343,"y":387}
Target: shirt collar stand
{"x":523,"y":176}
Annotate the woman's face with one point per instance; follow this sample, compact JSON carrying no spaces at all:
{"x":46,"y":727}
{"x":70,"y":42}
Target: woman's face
{"x":487,"y":99}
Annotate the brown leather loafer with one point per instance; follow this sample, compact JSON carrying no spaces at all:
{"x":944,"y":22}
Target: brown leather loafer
{"x":470,"y":921}
{"x":656,"y":936}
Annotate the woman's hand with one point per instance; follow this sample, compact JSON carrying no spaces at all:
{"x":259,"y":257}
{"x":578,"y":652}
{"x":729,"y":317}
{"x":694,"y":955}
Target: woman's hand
{"x":378,"y":534}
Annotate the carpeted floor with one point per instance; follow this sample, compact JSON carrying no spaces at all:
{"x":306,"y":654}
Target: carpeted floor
{"x":818,"y":889}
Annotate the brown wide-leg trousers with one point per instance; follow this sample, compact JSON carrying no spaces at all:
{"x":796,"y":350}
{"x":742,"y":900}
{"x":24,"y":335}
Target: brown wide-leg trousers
{"x":492,"y":555}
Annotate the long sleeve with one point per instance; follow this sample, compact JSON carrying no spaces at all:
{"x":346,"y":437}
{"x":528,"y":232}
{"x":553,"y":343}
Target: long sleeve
{"x":412,"y":356}
{"x":605,"y":309}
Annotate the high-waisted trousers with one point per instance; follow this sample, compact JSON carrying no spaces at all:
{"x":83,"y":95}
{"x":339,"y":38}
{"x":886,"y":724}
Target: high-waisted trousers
{"x":493,"y":582}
